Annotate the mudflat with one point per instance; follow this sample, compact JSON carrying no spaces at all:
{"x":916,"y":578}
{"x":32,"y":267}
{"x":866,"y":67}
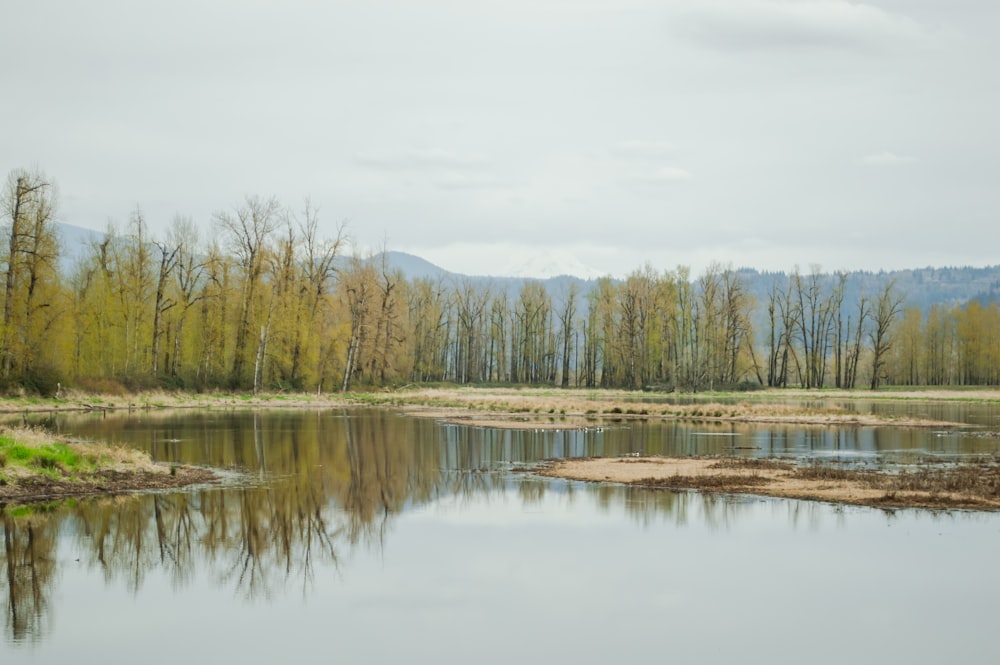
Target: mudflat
{"x":974,"y":486}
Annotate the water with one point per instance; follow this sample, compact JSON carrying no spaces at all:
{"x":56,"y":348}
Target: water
{"x":364,"y":536}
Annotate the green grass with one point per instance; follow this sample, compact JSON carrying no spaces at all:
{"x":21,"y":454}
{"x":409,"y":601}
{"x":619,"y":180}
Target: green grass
{"x":52,"y":459}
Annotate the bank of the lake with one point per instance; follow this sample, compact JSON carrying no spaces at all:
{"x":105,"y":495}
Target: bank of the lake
{"x":35,"y":468}
{"x":540,"y":407}
{"x":504,"y":408}
{"x":574,"y":408}
{"x":973,"y":485}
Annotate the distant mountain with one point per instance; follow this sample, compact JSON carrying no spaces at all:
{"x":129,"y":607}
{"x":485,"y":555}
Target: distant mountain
{"x":550,"y":263}
{"x":75,"y":243}
{"x":921,"y":287}
{"x":412,"y":267}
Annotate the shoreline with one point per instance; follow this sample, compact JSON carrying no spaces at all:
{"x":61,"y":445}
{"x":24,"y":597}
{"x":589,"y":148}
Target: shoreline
{"x":539,"y":407}
{"x":518,"y":408}
{"x":974,"y":486}
{"x":39,"y":489}
{"x":36,"y":468}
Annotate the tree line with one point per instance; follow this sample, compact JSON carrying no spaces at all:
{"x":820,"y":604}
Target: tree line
{"x":267,"y":301}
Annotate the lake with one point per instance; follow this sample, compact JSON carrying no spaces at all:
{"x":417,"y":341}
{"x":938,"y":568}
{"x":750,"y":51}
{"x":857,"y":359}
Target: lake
{"x":365,"y":536}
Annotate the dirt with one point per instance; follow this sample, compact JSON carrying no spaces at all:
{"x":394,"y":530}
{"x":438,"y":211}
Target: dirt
{"x":119,"y":470}
{"x":975,"y":488}
{"x":108,"y":482}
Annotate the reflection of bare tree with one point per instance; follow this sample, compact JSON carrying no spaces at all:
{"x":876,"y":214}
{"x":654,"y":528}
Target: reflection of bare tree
{"x":388,"y":469}
{"x":29,"y":569}
{"x":532,"y":490}
{"x":319,"y":483}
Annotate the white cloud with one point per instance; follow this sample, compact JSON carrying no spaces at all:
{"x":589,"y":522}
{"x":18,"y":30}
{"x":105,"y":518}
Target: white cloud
{"x":668,"y":175}
{"x":795,"y":24}
{"x":417,"y":158}
{"x":886,"y":158}
{"x":643,"y":149}
{"x":458,"y":180}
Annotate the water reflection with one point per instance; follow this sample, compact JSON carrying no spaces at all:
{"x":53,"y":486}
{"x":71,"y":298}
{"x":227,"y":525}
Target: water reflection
{"x":318,"y":486}
{"x":29,"y":565}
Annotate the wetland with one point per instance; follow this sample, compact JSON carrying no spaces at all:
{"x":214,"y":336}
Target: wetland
{"x":373,"y":535}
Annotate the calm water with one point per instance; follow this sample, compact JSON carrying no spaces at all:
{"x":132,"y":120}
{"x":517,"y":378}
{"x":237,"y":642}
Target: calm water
{"x":363,"y":536}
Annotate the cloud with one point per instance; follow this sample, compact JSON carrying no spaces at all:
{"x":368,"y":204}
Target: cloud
{"x":419,"y":158}
{"x":643,"y":149}
{"x":668,"y":175}
{"x":458,"y":180}
{"x":768,"y":25}
{"x":886,"y":158}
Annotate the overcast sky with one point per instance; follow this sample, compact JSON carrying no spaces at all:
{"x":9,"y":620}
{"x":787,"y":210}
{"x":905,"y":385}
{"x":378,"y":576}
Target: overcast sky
{"x":762,"y":133}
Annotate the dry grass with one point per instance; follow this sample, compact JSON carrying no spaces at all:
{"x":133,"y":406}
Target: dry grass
{"x":974,"y":486}
{"x":752,"y":463}
{"x":724,"y":483}
{"x":527,"y":407}
{"x":81,"y":469}
{"x":564,"y":409}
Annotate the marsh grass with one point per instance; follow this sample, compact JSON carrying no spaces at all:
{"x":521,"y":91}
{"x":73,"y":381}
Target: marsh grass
{"x":48,"y":458}
{"x":980,"y":480}
{"x":721,"y":482}
{"x":937,"y":486}
{"x":752,"y":463}
{"x":26,"y":451}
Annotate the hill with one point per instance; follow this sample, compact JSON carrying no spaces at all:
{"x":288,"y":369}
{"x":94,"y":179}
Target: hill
{"x":922,"y":287}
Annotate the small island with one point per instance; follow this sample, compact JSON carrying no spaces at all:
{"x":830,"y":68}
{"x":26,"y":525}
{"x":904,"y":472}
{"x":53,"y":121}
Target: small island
{"x":34,"y":468}
{"x":972,"y":486}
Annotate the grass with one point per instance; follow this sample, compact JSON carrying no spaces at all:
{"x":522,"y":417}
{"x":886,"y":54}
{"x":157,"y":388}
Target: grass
{"x":721,"y":482}
{"x":34,"y":468}
{"x":49,"y":458}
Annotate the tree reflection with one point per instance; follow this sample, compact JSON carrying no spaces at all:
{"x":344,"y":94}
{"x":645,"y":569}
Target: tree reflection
{"x":314,"y":486}
{"x":323,"y":488}
{"x":29,"y":564}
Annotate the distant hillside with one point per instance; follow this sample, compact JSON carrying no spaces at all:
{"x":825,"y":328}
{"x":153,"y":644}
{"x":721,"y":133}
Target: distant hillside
{"x":413,"y":267}
{"x":75,"y":243}
{"x":922,"y":287}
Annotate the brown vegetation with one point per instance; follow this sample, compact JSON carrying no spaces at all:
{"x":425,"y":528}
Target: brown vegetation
{"x":83,"y":469}
{"x":536,"y":408}
{"x":969,"y":486}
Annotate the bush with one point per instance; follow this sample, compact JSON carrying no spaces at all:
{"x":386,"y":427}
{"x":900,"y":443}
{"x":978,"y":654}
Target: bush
{"x":97,"y":386}
{"x":43,"y":380}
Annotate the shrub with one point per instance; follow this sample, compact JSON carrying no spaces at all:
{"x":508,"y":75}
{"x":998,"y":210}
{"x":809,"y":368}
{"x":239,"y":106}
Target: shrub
{"x":42,"y":380}
{"x":99,"y":386}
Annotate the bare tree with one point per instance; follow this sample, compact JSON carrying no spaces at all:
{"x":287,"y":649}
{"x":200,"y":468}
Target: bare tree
{"x":887,"y":309}
{"x":567,"y":314}
{"x":247,"y":232}
{"x":28,"y":206}
{"x":169,"y":256}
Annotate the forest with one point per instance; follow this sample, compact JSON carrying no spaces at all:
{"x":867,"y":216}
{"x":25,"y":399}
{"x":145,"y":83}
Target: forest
{"x":265,"y":301}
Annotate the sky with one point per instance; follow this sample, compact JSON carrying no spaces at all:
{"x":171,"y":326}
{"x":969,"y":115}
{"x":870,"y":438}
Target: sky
{"x":477,"y":134}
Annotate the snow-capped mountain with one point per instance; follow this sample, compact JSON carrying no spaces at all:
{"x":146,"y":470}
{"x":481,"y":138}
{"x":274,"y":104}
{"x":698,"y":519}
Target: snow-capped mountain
{"x":545,"y":264}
